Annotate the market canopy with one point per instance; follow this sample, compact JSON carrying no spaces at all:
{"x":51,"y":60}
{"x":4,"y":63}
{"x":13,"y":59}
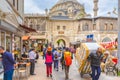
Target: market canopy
{"x":25,"y":37}
{"x":27,"y":28}
{"x":109,"y":45}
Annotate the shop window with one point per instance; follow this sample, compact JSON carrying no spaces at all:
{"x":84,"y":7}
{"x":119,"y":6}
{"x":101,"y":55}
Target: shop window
{"x":17,"y":43}
{"x":8,"y":42}
{"x":3,"y":39}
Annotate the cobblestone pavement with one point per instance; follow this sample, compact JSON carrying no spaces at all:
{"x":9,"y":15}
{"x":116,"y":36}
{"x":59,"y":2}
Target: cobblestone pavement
{"x":40,"y":71}
{"x":74,"y":74}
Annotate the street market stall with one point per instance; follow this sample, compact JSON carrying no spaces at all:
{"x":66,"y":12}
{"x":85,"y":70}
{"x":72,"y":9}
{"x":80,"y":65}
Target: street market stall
{"x":111,"y":59}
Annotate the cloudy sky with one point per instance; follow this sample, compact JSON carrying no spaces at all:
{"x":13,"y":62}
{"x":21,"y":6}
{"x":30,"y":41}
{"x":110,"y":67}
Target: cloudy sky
{"x":39,"y":6}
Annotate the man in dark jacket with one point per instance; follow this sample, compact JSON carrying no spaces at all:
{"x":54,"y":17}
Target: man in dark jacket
{"x":8,"y":63}
{"x":95,"y":60}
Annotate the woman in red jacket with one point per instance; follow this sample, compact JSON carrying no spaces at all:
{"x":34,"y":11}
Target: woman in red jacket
{"x":49,"y":61}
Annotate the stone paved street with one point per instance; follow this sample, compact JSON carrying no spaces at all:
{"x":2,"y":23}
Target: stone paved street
{"x":74,"y":74}
{"x":40,"y":71}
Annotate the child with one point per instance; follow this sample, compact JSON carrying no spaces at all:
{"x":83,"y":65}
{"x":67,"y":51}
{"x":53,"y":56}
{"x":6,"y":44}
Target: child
{"x":49,"y":61}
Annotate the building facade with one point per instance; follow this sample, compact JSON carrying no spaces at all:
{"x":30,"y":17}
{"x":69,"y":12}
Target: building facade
{"x":67,"y":23}
{"x":11,"y":16}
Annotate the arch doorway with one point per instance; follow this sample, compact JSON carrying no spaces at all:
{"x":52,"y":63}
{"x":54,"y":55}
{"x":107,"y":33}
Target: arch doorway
{"x":61,"y":43}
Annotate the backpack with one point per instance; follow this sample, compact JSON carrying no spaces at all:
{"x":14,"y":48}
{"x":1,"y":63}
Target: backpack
{"x":68,"y":58}
{"x":37,"y":56}
{"x":56,"y":56}
{"x":48,"y":58}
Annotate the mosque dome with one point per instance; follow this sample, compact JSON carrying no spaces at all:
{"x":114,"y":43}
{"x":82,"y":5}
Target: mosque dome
{"x":69,"y":8}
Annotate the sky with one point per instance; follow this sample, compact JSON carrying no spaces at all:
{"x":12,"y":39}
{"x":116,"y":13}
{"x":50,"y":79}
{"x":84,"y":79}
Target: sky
{"x":39,"y":6}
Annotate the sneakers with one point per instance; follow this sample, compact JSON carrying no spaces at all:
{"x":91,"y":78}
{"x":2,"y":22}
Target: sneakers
{"x":47,"y":75}
{"x":50,"y":75}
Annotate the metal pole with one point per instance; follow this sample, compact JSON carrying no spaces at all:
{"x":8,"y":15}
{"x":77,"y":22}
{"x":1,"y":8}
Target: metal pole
{"x":118,"y":53}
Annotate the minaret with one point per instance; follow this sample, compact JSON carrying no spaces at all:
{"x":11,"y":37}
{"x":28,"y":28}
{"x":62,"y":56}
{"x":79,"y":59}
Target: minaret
{"x":95,"y":8}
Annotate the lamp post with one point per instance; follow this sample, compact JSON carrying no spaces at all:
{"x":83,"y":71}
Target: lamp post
{"x":118,"y":33}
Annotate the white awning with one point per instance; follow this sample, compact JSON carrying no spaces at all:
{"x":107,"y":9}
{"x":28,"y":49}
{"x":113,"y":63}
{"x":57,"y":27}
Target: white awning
{"x":37,"y":37}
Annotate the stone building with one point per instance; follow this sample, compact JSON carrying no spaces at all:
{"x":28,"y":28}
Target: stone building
{"x":11,"y":16}
{"x":67,"y":23}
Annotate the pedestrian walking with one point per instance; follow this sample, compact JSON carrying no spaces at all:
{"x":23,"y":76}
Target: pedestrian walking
{"x":68,"y":62}
{"x":44,"y":52}
{"x":56,"y":59}
{"x":62,"y":61}
{"x":32,"y":57}
{"x":49,"y":61}
{"x":95,"y":61}
{"x":8,"y":64}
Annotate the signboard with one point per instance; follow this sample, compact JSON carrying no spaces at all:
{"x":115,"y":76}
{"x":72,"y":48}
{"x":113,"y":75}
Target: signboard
{"x":61,"y":32}
{"x":90,"y":37}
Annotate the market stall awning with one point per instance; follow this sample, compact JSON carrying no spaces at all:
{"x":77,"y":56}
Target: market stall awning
{"x":27,"y":28}
{"x":37,"y":37}
{"x":25,"y":37}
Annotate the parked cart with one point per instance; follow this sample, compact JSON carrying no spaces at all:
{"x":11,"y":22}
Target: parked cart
{"x":82,"y":54}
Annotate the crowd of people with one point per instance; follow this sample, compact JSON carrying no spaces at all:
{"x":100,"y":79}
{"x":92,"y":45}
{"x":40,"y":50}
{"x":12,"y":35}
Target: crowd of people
{"x":57,"y":56}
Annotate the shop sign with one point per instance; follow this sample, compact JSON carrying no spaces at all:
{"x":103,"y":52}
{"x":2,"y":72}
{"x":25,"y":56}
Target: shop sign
{"x":61,"y":32}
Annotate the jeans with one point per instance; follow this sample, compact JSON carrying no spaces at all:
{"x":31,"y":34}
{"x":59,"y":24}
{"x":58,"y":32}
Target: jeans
{"x":49,"y":69}
{"x":95,"y":76}
{"x":56,"y":64}
{"x":67,"y":72}
{"x":32,"y":66}
{"x":8,"y":75}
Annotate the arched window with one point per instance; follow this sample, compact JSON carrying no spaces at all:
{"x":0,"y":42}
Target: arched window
{"x":85,"y":27}
{"x":94,"y":26}
{"x":79,"y":28}
{"x":64,"y":27}
{"x":38,"y":27}
{"x":107,"y":39}
{"x":105,"y":27}
{"x":111,"y":26}
{"x":58,"y":27}
{"x":31,"y":25}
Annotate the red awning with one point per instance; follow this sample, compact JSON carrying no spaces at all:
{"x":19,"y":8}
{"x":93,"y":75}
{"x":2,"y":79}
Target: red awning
{"x":25,"y":37}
